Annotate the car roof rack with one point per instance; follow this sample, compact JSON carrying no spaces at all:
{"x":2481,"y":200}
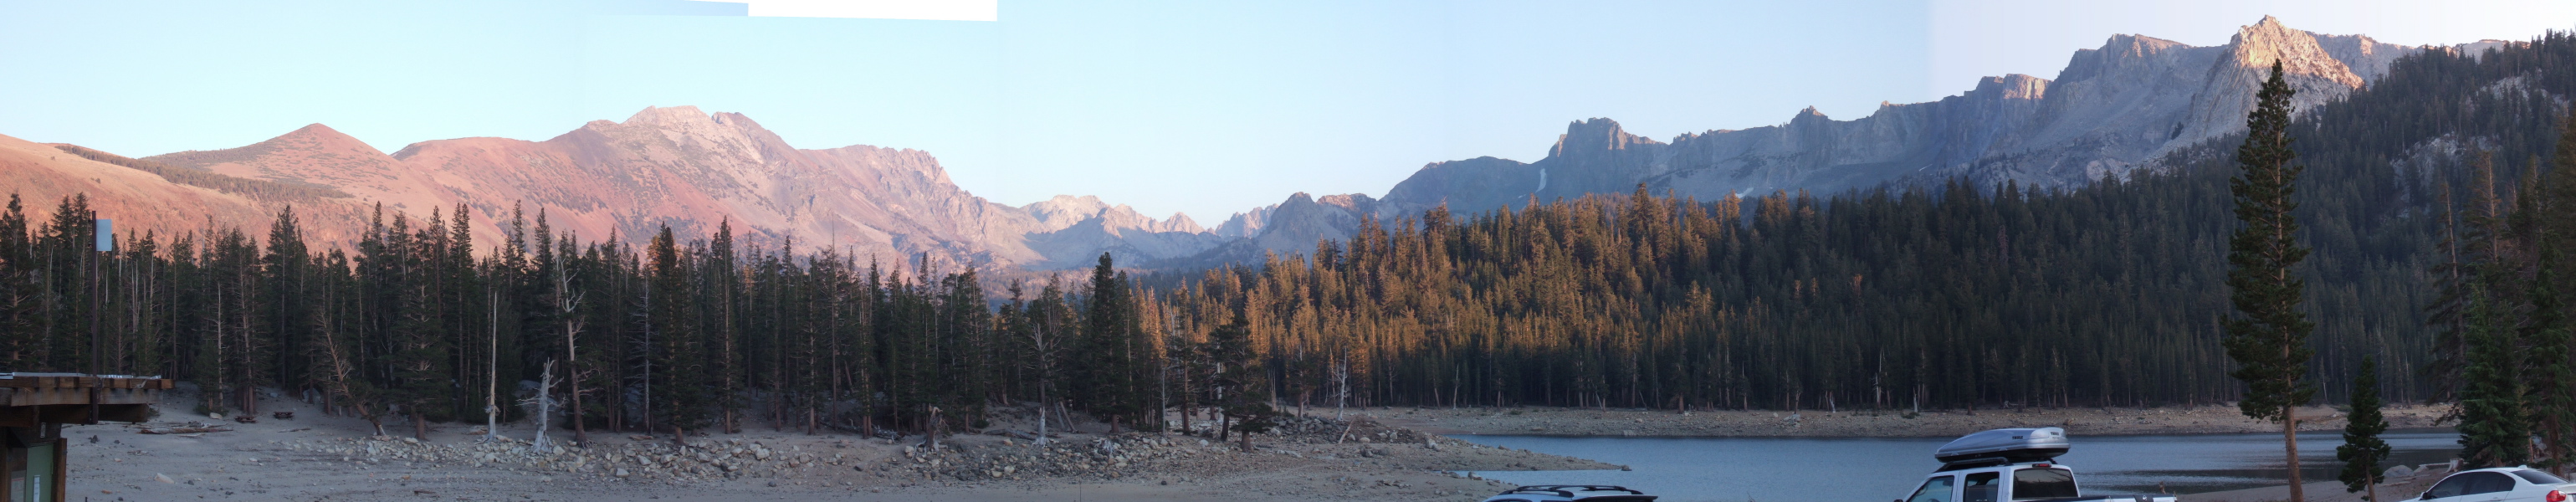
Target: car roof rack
{"x":1988,"y":462}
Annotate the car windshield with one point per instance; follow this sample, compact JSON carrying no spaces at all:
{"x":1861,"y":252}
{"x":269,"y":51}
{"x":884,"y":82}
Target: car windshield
{"x":2539,"y":478}
{"x":1934,"y":490}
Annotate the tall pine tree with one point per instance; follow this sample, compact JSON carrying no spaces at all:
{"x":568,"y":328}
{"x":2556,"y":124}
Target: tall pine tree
{"x":2269,"y":338}
{"x":678,"y":384}
{"x":2494,"y":426}
{"x":2546,"y":336}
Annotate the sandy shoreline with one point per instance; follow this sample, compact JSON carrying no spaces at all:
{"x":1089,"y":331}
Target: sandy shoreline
{"x":1382,"y":454}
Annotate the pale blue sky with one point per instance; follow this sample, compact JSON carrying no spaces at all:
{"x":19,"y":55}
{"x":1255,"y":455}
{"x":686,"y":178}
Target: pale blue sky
{"x":1205,"y":107}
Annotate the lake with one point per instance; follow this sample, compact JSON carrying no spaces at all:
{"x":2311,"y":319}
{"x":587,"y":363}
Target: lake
{"x":1871,"y":469}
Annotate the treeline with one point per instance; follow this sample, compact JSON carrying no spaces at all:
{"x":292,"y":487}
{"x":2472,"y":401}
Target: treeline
{"x":2502,"y":308}
{"x":257,"y":189}
{"x":1946,"y":296}
{"x":419,"y":324}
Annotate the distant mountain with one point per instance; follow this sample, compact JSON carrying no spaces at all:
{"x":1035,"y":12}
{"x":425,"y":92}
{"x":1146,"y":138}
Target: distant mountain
{"x":2111,"y":110}
{"x":690,"y":170}
{"x":42,"y":175}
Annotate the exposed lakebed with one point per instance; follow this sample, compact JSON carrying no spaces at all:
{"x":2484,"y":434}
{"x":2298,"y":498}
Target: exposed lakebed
{"x":1687,"y":469}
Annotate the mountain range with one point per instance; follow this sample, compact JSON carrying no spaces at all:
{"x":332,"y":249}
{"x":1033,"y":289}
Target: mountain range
{"x":2111,"y":110}
{"x":674,"y":166}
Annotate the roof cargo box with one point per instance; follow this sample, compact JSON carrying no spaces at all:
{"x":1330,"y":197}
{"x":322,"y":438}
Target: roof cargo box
{"x":2011,"y":445}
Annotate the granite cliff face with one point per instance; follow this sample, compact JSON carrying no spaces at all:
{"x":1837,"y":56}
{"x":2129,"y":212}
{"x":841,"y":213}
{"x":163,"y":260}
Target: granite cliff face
{"x":691,"y":170}
{"x":2111,"y":110}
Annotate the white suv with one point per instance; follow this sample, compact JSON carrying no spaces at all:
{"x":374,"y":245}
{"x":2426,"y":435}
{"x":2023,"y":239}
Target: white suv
{"x":2500,"y":484}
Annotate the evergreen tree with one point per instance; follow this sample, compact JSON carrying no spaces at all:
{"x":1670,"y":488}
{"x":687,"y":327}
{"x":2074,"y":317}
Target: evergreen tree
{"x":2494,"y":431}
{"x":677,"y":380}
{"x":2362,"y":450}
{"x":1240,"y":391}
{"x":22,"y":312}
{"x":723,"y":302}
{"x":287,"y":309}
{"x":2552,"y":393}
{"x":2269,"y":341}
{"x":1109,"y":340}
{"x":405,"y":303}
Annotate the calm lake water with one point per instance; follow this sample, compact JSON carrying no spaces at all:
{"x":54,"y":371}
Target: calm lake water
{"x":1873,"y":469}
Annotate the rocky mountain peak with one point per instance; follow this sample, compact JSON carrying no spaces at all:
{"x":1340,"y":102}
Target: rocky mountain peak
{"x":1350,"y":201}
{"x":1181,"y":222}
{"x":292,"y":147}
{"x":1245,"y":224}
{"x":2264,"y":42}
{"x":2228,"y":90}
{"x":1065,"y":208}
{"x":2364,"y":56}
{"x":1065,"y":211}
{"x":681,"y":122}
{"x":2010,"y":86}
{"x":1810,"y":116}
{"x":2121,"y":55}
{"x":670,"y":116}
{"x":1595,"y":135}
{"x":320,"y":137}
{"x":688,"y":129}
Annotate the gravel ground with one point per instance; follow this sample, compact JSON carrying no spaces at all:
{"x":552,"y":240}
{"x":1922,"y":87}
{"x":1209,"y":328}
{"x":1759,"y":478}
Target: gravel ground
{"x":2403,"y":488}
{"x":316,"y":458}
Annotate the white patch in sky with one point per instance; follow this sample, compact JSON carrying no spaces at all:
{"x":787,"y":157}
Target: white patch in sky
{"x":934,"y":10}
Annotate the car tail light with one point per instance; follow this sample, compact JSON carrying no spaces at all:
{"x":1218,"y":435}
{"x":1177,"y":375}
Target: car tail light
{"x":2557,"y":496}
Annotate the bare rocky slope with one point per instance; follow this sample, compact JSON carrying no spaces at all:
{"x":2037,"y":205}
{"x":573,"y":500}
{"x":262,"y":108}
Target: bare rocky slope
{"x":43,"y":176}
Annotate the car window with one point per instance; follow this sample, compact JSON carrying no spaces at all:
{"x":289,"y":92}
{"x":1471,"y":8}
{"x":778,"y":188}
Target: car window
{"x":1933,"y":490}
{"x":2470,"y":483}
{"x":1980,"y":487}
{"x":2043,"y":483}
{"x":2538,"y":478}
{"x":2449,"y":487}
{"x":2488,"y":482}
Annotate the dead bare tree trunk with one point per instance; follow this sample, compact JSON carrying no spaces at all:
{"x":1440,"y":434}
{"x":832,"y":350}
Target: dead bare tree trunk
{"x":545,"y":402}
{"x":492,"y":375}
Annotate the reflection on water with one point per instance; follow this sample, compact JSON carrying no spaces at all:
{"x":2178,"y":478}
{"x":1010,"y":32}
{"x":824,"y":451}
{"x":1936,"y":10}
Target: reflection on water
{"x":1868,"y":469}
